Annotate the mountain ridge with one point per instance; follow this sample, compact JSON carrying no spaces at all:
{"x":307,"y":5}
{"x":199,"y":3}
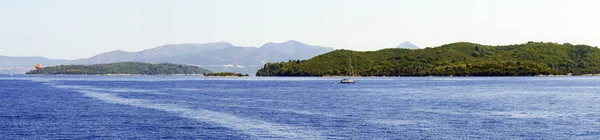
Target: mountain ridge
{"x":216,"y":56}
{"x":408,"y":45}
{"x":21,"y":64}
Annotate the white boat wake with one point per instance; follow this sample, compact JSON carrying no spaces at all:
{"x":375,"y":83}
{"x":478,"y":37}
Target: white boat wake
{"x":256,"y":128}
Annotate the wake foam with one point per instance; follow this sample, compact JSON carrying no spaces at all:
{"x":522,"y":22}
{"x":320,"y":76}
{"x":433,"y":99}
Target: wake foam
{"x":114,"y":90}
{"x":308,"y":112}
{"x":525,"y":115}
{"x":257,"y":128}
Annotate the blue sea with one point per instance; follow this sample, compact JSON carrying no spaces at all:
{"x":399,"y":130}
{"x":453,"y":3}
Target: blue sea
{"x":194,"y":107}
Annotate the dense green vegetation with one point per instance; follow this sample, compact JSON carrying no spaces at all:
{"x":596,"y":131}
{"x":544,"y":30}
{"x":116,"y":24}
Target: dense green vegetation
{"x":121,"y":68}
{"x":458,"y":59}
{"x":226,"y":74}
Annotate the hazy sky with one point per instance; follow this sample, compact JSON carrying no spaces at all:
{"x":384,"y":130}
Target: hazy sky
{"x":70,"y":29}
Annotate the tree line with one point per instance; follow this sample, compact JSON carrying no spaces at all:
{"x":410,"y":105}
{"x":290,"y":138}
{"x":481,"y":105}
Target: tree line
{"x":226,"y":74}
{"x":456,"y":59}
{"x":121,"y":68}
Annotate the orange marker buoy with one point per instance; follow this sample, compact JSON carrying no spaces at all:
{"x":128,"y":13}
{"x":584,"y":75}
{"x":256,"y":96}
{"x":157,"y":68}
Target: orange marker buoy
{"x":38,"y":67}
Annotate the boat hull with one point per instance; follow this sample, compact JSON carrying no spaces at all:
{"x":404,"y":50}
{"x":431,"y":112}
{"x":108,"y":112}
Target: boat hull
{"x":347,"y":81}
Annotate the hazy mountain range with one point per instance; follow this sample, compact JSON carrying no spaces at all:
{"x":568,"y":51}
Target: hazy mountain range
{"x":19,"y":65}
{"x":408,"y":45}
{"x":218,"y":56}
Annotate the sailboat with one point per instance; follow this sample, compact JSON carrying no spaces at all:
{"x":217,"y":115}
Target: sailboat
{"x":349,"y":80}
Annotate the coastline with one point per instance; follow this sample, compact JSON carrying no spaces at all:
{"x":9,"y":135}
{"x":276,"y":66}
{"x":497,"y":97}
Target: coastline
{"x":336,"y":76}
{"x":120,"y":74}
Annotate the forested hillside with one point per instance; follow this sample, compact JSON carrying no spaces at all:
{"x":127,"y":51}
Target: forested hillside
{"x":122,"y":68}
{"x":226,"y":74}
{"x":458,"y":59}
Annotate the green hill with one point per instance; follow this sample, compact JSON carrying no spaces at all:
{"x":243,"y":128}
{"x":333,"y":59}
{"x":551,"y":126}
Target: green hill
{"x":121,"y":68}
{"x":458,"y":59}
{"x":225,"y":74}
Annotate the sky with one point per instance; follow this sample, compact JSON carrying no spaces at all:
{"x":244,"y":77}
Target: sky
{"x":72,"y":29}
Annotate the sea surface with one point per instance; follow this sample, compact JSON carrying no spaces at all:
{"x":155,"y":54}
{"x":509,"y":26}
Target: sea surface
{"x":194,"y":107}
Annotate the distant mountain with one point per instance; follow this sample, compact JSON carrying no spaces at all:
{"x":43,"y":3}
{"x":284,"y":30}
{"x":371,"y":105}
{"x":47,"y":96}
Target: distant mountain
{"x":408,"y":45}
{"x":19,"y":65}
{"x":161,"y":51}
{"x":219,"y":56}
{"x":288,"y":50}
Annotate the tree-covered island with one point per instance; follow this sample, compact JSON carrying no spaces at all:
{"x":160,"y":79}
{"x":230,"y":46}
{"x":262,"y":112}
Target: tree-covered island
{"x":122,"y":68}
{"x":456,"y":59}
{"x":225,"y":74}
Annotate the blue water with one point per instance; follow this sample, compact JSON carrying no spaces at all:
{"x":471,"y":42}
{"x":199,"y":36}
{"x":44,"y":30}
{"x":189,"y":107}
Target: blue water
{"x":190,"y":107}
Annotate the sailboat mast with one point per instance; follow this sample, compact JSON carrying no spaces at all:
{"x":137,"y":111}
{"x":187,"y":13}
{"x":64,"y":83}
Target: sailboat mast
{"x":351,"y":68}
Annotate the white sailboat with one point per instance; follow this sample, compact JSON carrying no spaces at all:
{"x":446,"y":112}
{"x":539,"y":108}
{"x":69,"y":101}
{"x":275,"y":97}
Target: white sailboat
{"x":349,"y":80}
